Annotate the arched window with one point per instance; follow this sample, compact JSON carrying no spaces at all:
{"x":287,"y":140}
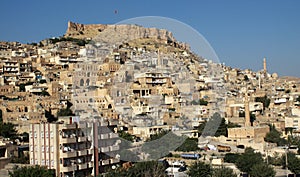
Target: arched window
{"x":81,"y":82}
{"x":119,"y":93}
{"x":122,"y":100}
{"x":87,"y":82}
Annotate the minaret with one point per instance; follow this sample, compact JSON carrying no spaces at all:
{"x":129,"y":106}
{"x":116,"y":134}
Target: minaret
{"x":247,"y":111}
{"x":259,"y":81}
{"x":158,"y":59}
{"x":265,"y":65}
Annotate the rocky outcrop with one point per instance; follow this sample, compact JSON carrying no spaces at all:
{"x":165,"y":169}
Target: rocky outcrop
{"x":119,"y":33}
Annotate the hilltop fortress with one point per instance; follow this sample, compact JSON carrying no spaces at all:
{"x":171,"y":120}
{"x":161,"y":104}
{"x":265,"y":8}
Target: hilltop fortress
{"x":120,"y":33}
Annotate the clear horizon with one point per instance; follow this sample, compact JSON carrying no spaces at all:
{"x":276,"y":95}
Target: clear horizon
{"x":241,"y":32}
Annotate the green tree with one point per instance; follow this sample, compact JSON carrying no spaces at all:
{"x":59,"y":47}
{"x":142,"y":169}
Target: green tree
{"x":293,"y":163}
{"x":274,"y":137}
{"x":1,"y":118}
{"x":203,"y":102}
{"x":8,"y":130}
{"x":200,"y":169}
{"x":222,"y":127}
{"x":264,"y":100}
{"x":262,"y":170}
{"x":22,"y":88}
{"x":275,"y":160}
{"x":31,"y":171}
{"x":246,"y":161}
{"x":190,"y":144}
{"x":223,"y":172}
{"x":126,"y":136}
{"x":65,"y":112}
{"x":45,"y":93}
{"x":158,"y":135}
{"x":140,"y":169}
{"x":23,"y":159}
{"x":147,"y":169}
{"x":231,"y":157}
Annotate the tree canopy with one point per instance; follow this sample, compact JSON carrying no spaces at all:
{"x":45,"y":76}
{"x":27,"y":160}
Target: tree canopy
{"x":31,"y":171}
{"x":190,"y":144}
{"x":223,"y":172}
{"x":262,"y":170}
{"x":252,"y":163}
{"x":215,"y":123}
{"x":246,"y":160}
{"x":274,"y":137}
{"x":140,"y":169}
{"x":200,"y":169}
{"x":264,"y":100}
{"x":8,"y":130}
{"x":293,"y":163}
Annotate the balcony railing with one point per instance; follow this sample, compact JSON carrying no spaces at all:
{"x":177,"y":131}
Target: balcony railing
{"x":82,"y":166}
{"x":104,"y":149}
{"x":82,"y":152}
{"x":112,"y":161}
{"x":68,"y":140}
{"x":113,"y":135}
{"x":67,"y":168}
{"x":114,"y":148}
{"x":104,"y":136}
{"x":68,"y":154}
{"x":105,"y":162}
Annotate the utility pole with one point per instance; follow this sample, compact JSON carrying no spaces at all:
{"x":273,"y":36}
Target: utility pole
{"x":286,"y":161}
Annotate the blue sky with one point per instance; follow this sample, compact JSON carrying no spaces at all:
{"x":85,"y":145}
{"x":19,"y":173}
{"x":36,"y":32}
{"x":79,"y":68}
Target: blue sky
{"x":241,"y":32}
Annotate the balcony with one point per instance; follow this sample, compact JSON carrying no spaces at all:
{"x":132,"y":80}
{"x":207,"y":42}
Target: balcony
{"x":104,"y":149}
{"x":67,"y":126}
{"x":82,"y":166}
{"x":113,"y":135}
{"x":105,"y":162}
{"x":67,"y":169}
{"x":82,"y":139}
{"x":82,"y":152}
{"x":68,"y":154}
{"x":112,"y":161}
{"x":104,"y":136}
{"x":114,"y":148}
{"x":68,"y":140}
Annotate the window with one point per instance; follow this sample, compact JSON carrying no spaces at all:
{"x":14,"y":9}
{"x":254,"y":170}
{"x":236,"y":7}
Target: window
{"x":47,"y":162}
{"x":31,"y":148}
{"x":52,"y":149}
{"x":42,"y":148}
{"x":51,"y":134}
{"x":36,"y":162}
{"x":52,"y":163}
{"x":46,"y":134}
{"x":43,"y":162}
{"x":42,"y":134}
{"x":35,"y":135}
{"x":47,"y":148}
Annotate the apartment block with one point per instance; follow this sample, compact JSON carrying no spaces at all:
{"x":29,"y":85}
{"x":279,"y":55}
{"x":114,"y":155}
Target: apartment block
{"x":73,"y":147}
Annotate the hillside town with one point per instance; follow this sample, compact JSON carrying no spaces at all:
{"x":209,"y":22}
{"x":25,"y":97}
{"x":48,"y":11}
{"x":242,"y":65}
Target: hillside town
{"x":77,"y":101}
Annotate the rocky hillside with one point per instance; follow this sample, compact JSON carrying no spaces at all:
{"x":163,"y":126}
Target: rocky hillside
{"x":120,"y":33}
